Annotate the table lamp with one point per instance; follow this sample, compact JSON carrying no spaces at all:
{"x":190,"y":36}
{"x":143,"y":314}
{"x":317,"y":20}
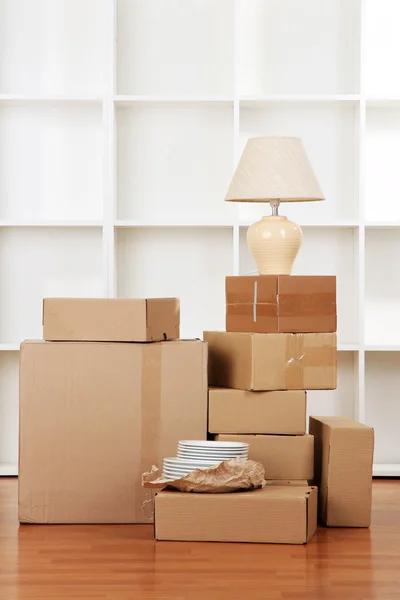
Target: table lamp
{"x":274,"y":170}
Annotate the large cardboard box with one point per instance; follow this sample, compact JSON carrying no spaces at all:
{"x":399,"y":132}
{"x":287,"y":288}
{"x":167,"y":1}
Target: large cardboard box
{"x":343,"y":470}
{"x":281,"y":304}
{"x":241,"y":411}
{"x":276,"y":514}
{"x":286,"y":457}
{"x":272,"y":361}
{"x":95,"y":416}
{"x":110,"y":319}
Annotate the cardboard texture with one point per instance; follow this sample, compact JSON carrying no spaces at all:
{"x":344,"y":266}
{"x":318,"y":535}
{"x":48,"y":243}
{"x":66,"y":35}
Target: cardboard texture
{"x":283,"y":456}
{"x":275,"y":514}
{"x":272,"y":361}
{"x":95,"y":416}
{"x":110,"y":319}
{"x":281,"y":304}
{"x":241,"y":411}
{"x":343,"y":470}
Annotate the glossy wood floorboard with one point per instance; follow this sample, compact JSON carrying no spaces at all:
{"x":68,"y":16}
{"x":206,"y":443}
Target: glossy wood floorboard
{"x":123,"y":562}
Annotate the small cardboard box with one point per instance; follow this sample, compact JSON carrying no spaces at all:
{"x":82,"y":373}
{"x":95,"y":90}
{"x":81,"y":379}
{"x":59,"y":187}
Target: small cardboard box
{"x":275,"y":514}
{"x":343,"y":470}
{"x":281,"y":304}
{"x":95,"y":416}
{"x":241,"y":411}
{"x":110,"y":319}
{"x":272,"y":361}
{"x":287,"y":457}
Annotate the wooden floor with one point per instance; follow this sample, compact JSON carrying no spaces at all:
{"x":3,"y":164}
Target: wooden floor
{"x":119,"y":562}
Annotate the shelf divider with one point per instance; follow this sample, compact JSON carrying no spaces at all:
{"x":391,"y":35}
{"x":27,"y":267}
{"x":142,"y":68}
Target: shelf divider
{"x":8,"y":469}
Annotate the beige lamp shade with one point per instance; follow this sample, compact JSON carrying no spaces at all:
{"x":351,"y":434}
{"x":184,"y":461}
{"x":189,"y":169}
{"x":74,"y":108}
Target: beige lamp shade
{"x":274,"y":168}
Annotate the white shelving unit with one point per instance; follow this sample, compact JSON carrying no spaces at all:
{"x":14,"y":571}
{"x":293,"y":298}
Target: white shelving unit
{"x":121,"y":122}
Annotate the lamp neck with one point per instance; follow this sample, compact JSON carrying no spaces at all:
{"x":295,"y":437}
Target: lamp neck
{"x":274,"y":207}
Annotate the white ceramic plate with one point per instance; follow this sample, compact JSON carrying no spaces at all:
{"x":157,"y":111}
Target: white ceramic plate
{"x":168,"y":475}
{"x":180,"y":471}
{"x":177,"y":474}
{"x":216,"y":460}
{"x":166,"y":468}
{"x":190,"y":467}
{"x":209,"y":458}
{"x":201,"y":457}
{"x":211,"y":444}
{"x":180,"y":461}
{"x":213,"y":449}
{"x":184,"y":472}
{"x":185,"y":464}
{"x":214,"y":452}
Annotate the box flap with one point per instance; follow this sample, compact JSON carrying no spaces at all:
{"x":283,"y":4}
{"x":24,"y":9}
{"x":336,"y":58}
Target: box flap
{"x":251,"y":289}
{"x":323,"y":287}
{"x":162,"y":318}
{"x":341,"y":423}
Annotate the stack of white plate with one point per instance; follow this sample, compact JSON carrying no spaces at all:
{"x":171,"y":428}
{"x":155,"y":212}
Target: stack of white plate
{"x":175,"y":468}
{"x":193,"y":454}
{"x":216,"y":451}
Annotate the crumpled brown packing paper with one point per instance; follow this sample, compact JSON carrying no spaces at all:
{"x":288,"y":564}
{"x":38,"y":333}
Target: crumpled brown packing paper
{"x":230,"y":476}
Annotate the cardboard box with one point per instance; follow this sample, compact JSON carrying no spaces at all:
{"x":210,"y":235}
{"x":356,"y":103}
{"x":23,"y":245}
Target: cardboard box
{"x":283,"y":456}
{"x":241,"y":411}
{"x":281,"y":304}
{"x":272,"y":361}
{"x":110,"y":319}
{"x":343,"y":470}
{"x":95,"y":416}
{"x":276,"y":514}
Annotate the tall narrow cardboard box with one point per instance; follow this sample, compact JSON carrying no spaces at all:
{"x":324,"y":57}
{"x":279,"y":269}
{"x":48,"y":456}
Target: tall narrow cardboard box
{"x":343,"y":470}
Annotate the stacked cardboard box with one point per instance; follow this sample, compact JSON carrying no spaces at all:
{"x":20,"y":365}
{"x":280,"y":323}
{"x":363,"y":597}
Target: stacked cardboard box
{"x":111,"y":390}
{"x":289,"y":346}
{"x":101,"y":401}
{"x":272,"y":423}
{"x":280,"y":341}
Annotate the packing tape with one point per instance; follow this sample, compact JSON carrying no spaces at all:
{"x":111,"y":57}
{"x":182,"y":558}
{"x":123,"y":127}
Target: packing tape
{"x":255,"y":302}
{"x":294,"y":368}
{"x":300,"y":357}
{"x":301,"y":307}
{"x":247,"y":310}
{"x":150,"y":417}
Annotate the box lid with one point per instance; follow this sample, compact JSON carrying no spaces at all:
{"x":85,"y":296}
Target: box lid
{"x":274,"y":289}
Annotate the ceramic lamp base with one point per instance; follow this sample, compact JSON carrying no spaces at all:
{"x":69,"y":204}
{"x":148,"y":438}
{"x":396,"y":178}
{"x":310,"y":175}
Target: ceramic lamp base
{"x":274,"y":242}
